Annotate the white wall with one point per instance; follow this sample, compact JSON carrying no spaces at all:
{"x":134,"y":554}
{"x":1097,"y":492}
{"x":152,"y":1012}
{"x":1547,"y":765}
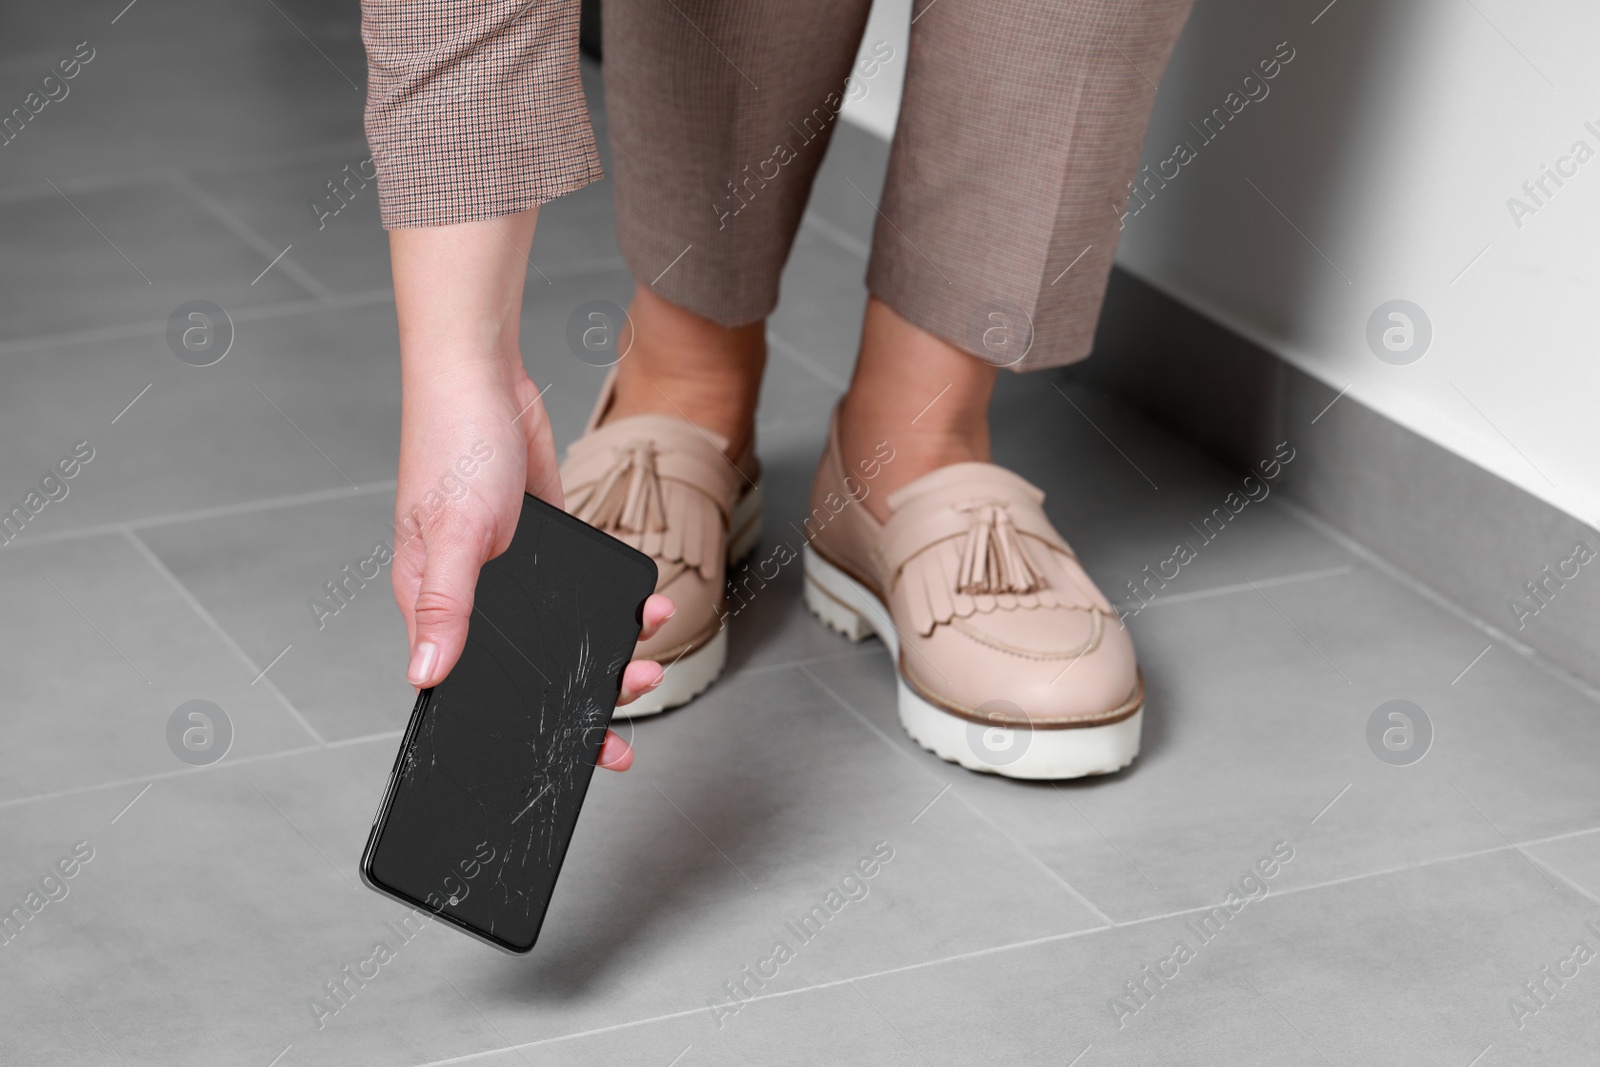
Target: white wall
{"x":1390,"y":146}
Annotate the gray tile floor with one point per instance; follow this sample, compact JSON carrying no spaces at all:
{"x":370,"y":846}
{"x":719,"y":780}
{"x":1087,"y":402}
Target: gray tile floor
{"x":1011,"y":918}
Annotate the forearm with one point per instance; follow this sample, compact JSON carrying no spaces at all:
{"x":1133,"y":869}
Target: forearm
{"x":458,"y":295}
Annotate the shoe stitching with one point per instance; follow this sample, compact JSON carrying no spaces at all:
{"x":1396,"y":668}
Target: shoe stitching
{"x":1089,"y":645}
{"x":1129,"y":707}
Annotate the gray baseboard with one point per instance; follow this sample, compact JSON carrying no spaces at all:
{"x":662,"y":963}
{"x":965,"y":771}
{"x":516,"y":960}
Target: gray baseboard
{"x":1473,"y":538}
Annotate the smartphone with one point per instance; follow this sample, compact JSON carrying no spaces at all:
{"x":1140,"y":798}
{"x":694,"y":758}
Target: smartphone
{"x":486,"y":788}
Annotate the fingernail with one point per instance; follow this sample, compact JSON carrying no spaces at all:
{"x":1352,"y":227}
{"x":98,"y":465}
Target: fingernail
{"x":423,"y":659}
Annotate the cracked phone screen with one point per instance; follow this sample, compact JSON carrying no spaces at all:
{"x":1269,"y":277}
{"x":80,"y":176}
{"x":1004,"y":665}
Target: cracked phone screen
{"x":487,"y":787}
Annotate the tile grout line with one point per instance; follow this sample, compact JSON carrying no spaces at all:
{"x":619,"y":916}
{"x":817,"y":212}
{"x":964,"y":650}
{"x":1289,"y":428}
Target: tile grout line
{"x":113,"y":181}
{"x":303,"y":750}
{"x":1245,"y":587}
{"x":264,"y":312}
{"x":364,"y":739}
{"x":158,"y":776}
{"x":975,"y":953}
{"x":1050,"y":873}
{"x":221,"y":511}
{"x":254,"y":313}
{"x":999,"y":949}
{"x":1439,"y":600}
{"x":227,"y":638}
{"x":241,"y":229}
{"x":1515,"y":846}
{"x":1041,"y":864}
{"x":385,"y":735}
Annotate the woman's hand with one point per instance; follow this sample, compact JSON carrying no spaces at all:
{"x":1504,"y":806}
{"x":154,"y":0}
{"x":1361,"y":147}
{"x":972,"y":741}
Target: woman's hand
{"x":473,"y":437}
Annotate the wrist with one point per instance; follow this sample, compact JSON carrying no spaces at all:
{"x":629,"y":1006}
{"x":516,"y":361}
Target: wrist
{"x":443,"y":411}
{"x":487,"y":364}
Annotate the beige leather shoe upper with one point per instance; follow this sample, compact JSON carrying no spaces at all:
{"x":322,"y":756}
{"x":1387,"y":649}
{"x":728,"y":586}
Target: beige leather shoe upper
{"x":664,"y":486}
{"x":998,"y":622}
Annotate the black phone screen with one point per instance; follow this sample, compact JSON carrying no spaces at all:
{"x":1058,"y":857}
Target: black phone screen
{"x":485,"y":792}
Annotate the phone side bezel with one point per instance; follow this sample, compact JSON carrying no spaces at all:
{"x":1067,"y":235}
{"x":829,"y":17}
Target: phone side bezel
{"x":381,"y":819}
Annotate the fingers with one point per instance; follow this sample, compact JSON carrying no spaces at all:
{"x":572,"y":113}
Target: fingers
{"x":657,"y":610}
{"x":405,"y":578}
{"x":615,"y":753}
{"x":442,"y":611}
{"x":638,"y":678}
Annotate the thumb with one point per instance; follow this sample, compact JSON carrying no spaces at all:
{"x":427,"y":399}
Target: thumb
{"x":443,"y":609}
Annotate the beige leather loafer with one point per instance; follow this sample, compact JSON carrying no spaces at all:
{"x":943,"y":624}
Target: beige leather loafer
{"x":1009,"y":659}
{"x":664,"y":486}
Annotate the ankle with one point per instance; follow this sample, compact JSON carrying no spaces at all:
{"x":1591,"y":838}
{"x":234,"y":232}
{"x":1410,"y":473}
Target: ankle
{"x":682,"y":365}
{"x":912,"y":451}
{"x":712,"y":402}
{"x":917,"y":395}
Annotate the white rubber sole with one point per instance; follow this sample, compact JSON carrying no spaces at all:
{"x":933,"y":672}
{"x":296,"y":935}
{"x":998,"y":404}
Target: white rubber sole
{"x":692,"y":673}
{"x":848,"y":607}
